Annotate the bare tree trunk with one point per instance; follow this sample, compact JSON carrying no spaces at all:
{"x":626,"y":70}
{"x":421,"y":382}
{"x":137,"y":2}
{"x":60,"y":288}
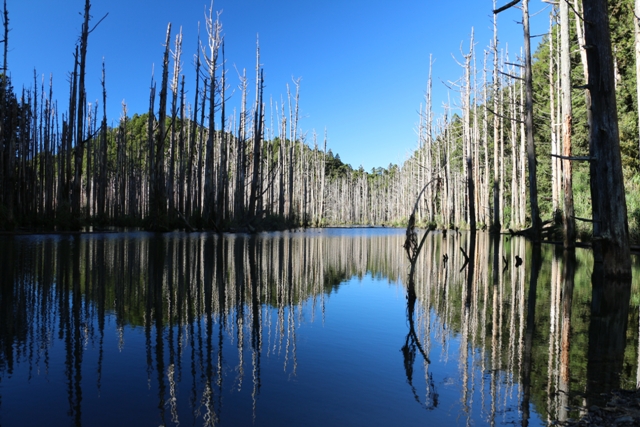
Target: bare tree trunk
{"x":158,"y":201}
{"x":77,"y":187}
{"x":502,"y":127}
{"x":102,"y":186}
{"x":213,"y":28}
{"x":174,"y":114}
{"x":428,"y":144}
{"x":495,"y":225}
{"x":536,"y":223}
{"x":184,"y":156}
{"x":555,"y":173}
{"x":569,"y":229}
{"x":240,"y":154}
{"x":610,"y":228}
{"x":282,"y":160}
{"x":470,"y":199}
{"x":636,"y":27}
{"x":223,"y":191}
{"x":486,"y":202}
{"x":257,"y":141}
{"x":514,"y":153}
{"x":6,"y":156}
{"x":152,"y":150}
{"x":201,"y":154}
{"x":322,"y":195}
{"x":523,"y":144}
{"x":528,"y":107}
{"x":69,"y":135}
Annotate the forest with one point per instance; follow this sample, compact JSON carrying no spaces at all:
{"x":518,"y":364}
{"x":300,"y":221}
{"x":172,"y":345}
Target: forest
{"x":496,"y":159}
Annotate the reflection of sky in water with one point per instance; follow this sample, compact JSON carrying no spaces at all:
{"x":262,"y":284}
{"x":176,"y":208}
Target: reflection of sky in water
{"x":348,"y":371}
{"x":331,"y":358}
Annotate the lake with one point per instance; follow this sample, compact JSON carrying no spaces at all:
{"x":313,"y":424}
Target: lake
{"x":308,"y":328}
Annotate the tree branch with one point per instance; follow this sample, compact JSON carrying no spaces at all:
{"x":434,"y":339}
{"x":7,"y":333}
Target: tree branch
{"x":98,"y":23}
{"x":506,"y":6}
{"x":504,"y":117}
{"x":576,"y":158}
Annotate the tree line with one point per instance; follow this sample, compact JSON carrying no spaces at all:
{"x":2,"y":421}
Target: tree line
{"x":180,"y":165}
{"x":512,"y":151}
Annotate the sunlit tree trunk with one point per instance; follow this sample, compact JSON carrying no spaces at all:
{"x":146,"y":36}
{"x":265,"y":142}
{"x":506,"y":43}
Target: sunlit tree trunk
{"x":468,"y":164}
{"x":569,"y":229}
{"x":610,"y":229}
{"x":174,"y":117}
{"x":495,"y":224}
{"x":636,"y":28}
{"x":254,"y":207}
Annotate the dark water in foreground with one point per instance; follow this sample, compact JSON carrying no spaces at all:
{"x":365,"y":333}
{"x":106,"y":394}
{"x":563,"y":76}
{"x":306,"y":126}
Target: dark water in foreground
{"x":310,"y":328}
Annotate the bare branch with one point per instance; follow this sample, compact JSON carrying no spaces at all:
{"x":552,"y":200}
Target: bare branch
{"x":506,"y":6}
{"x":98,"y":23}
{"x":504,"y":117}
{"x":512,"y":76}
{"x":576,"y":158}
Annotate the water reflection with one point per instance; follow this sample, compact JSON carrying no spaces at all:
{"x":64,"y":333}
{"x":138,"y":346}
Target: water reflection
{"x":497,"y":331}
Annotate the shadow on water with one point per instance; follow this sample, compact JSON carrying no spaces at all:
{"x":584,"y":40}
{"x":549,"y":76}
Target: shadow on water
{"x":607,"y":334}
{"x":216,"y":330}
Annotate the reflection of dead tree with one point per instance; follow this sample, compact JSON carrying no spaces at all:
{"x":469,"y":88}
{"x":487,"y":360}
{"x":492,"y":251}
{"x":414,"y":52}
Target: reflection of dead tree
{"x":412,"y":342}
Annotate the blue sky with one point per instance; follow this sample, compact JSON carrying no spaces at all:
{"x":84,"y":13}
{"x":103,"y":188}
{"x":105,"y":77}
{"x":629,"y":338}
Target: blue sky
{"x":363,"y":65}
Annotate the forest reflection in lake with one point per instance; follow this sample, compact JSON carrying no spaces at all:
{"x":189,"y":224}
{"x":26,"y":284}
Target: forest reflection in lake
{"x":304,"y":328}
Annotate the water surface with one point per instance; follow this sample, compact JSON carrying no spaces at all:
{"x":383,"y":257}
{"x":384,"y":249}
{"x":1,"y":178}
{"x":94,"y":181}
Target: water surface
{"x":297,"y":328}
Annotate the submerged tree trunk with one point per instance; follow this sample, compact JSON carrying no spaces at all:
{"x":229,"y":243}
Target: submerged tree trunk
{"x":610,"y":229}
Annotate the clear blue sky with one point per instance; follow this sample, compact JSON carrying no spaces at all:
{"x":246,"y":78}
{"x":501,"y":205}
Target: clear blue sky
{"x":363,"y":65}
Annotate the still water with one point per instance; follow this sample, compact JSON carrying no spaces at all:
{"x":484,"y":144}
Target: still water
{"x":301,"y":328}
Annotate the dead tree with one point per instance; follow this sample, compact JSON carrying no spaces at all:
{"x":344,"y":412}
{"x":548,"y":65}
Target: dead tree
{"x":257,"y":143}
{"x":468,"y":165}
{"x":80,"y":112}
{"x":223,"y":178}
{"x":636,"y":27}
{"x":569,"y":224}
{"x":6,"y":187}
{"x":536,"y":223}
{"x":102,"y":182}
{"x":213,"y":30}
{"x":158,"y":197}
{"x":610,"y":228}
{"x":177,"y":66}
{"x":495,"y":223}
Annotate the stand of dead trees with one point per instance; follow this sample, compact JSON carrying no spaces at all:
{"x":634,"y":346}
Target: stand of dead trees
{"x":193,"y":164}
{"x":178,"y":165}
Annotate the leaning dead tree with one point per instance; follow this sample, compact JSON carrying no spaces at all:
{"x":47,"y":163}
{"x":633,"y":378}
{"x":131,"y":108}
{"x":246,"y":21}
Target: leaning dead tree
{"x":411,"y":245}
{"x":413,"y":248}
{"x":610,"y":228}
